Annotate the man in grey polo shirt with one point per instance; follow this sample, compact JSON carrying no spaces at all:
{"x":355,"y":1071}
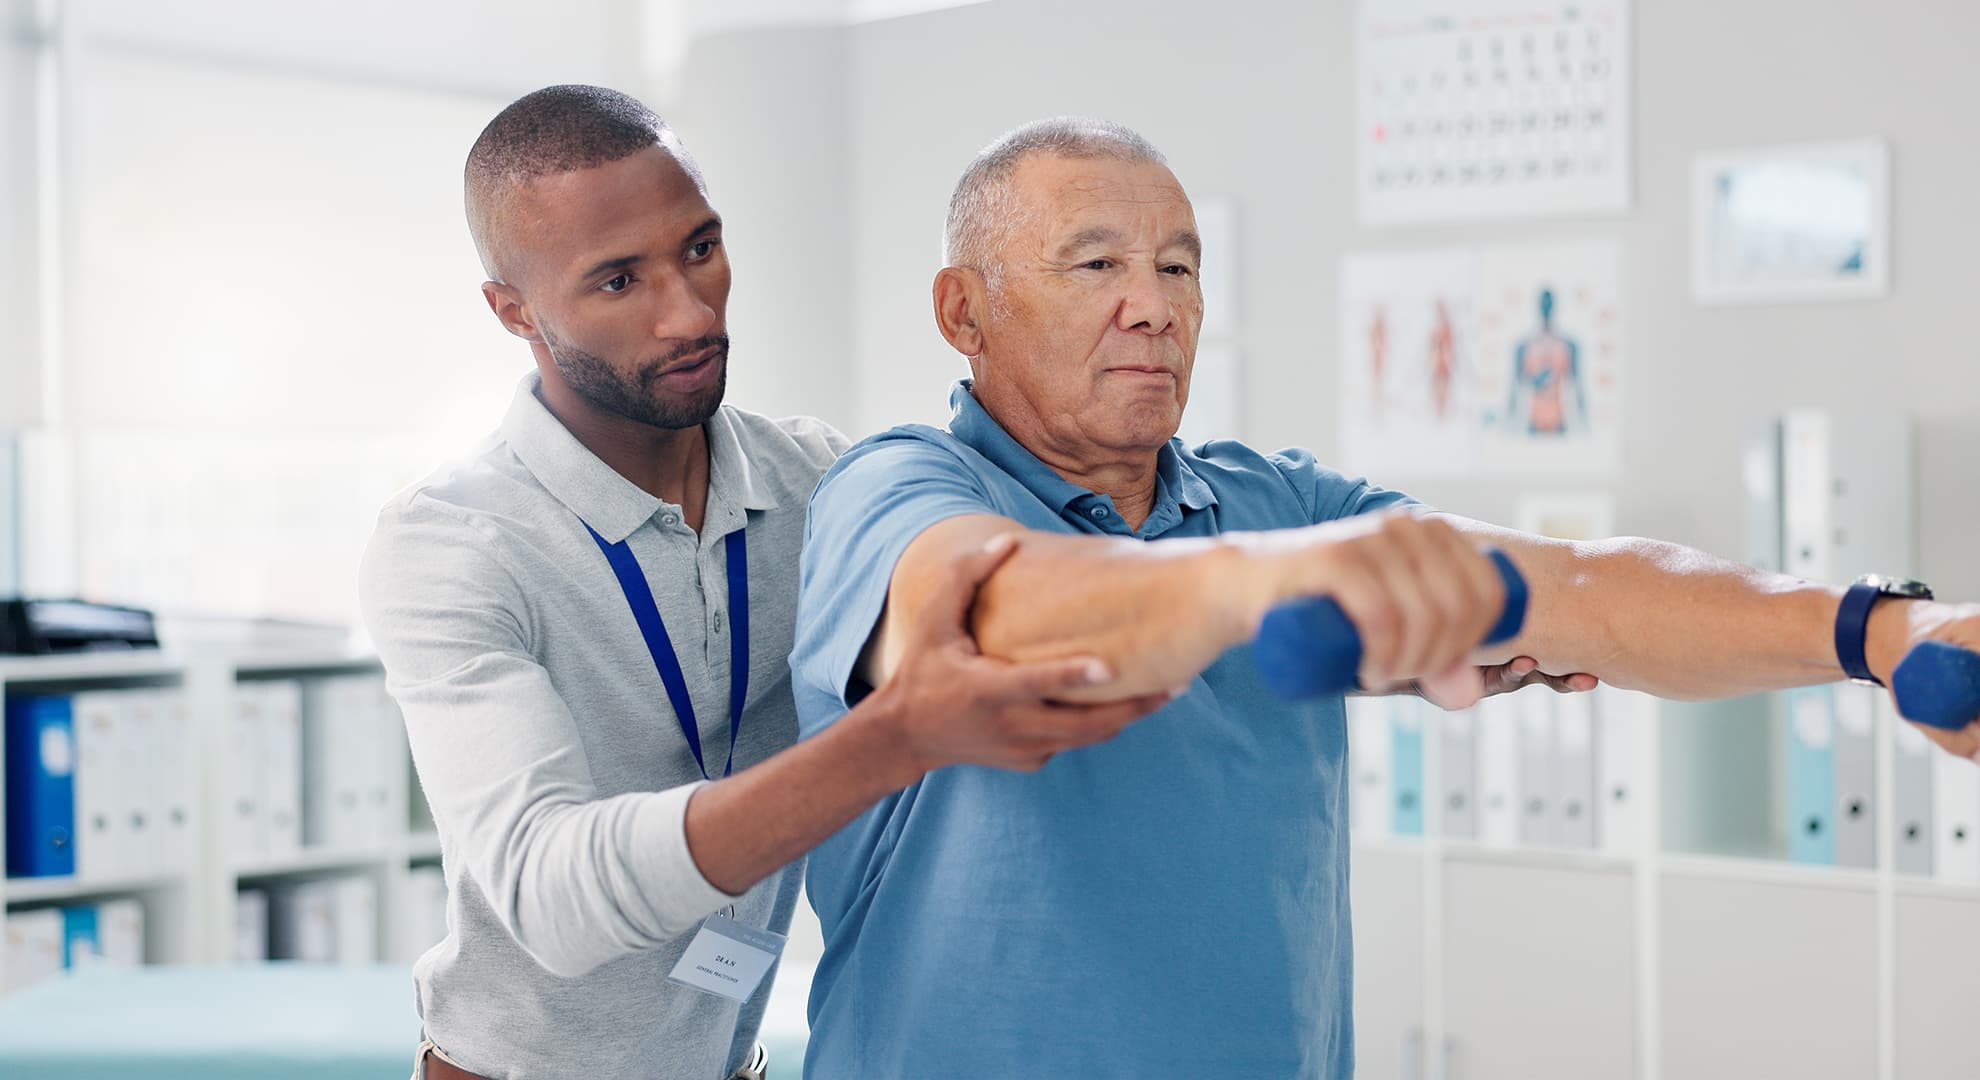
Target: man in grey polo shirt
{"x":587,"y":626}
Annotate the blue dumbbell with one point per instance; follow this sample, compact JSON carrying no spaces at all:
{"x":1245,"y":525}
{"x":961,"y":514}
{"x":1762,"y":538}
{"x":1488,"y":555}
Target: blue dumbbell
{"x":1307,"y":647}
{"x":1938,"y":684}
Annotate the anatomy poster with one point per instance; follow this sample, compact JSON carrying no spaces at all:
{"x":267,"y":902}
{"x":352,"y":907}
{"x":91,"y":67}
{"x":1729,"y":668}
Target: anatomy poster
{"x":1406,"y":401}
{"x":1494,"y":361}
{"x":1549,"y":337}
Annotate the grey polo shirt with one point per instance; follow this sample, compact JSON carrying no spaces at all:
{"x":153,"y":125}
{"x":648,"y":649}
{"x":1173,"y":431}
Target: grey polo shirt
{"x":545,"y":742}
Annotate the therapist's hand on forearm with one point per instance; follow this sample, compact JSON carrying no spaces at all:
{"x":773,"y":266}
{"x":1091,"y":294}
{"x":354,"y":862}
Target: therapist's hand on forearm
{"x":956,"y":706}
{"x":944,"y":704}
{"x":1523,"y":671}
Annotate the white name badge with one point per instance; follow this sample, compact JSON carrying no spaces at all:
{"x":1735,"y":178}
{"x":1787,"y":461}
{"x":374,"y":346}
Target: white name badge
{"x":727,"y":958}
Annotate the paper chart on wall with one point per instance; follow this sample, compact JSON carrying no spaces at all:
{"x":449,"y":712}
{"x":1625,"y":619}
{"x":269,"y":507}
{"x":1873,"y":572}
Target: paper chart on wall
{"x":1549,"y":337}
{"x":1406,"y":403}
{"x":1499,"y":361}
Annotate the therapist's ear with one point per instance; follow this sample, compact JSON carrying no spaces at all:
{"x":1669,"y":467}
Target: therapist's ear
{"x":507,"y":304}
{"x":960,"y":301}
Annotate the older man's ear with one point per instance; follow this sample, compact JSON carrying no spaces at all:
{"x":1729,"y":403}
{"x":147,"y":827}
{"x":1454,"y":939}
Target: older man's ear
{"x":960,"y":298}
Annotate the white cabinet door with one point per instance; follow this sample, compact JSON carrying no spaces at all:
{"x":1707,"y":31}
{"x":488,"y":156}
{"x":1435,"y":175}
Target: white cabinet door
{"x":1540,"y":972}
{"x":1387,"y":888}
{"x":1767,"y":979}
{"x":1938,"y":982}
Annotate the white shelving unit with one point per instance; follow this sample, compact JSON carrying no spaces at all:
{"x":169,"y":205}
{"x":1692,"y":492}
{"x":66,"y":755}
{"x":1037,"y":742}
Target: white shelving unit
{"x":190,"y":910}
{"x":169,"y":895}
{"x":1477,"y":962}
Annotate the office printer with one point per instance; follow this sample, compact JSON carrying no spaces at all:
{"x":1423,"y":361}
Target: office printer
{"x":69,"y":626}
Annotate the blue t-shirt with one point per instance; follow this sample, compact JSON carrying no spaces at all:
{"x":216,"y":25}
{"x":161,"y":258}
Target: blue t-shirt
{"x":1172,"y":903}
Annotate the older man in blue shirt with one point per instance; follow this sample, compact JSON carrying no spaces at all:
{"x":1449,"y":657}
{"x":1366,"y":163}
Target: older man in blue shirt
{"x":1173,"y":902}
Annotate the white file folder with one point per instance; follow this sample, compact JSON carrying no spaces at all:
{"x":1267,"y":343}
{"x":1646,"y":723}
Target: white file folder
{"x":141,"y":777}
{"x":1847,"y":494}
{"x":1912,"y":771}
{"x":1498,"y":738}
{"x":1459,"y":743}
{"x":382,"y":761}
{"x":281,"y":765}
{"x":302,"y":923}
{"x":246,"y":802}
{"x":1574,"y":770}
{"x":34,"y":947}
{"x":120,"y":931}
{"x":1619,"y":727}
{"x":1955,"y":807}
{"x":339,"y":735}
{"x":251,"y":926}
{"x":1539,"y":797}
{"x":105,"y":801}
{"x":176,"y":758}
{"x":1854,"y":812}
{"x":356,"y":900}
{"x":1369,"y":749}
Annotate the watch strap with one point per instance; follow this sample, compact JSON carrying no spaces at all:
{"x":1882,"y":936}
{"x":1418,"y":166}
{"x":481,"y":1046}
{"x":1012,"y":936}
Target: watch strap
{"x":1852,"y":626}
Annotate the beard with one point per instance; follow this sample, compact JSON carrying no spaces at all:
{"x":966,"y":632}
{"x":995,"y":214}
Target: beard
{"x":634,"y":395}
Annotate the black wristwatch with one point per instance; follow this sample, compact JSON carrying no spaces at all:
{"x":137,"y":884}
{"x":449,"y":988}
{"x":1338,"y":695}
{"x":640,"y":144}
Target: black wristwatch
{"x":1853,"y":619}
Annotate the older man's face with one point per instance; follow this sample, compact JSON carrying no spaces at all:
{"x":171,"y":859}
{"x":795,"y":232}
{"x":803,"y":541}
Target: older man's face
{"x":1095,"y":325}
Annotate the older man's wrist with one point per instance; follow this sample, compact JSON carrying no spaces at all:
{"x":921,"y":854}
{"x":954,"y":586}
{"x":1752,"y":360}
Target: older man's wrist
{"x":1246,"y":574}
{"x":1892,"y":627}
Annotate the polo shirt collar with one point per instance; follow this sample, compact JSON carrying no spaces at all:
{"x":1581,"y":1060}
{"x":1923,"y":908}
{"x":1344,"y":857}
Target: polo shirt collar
{"x":597,"y":494}
{"x":1178,"y":487}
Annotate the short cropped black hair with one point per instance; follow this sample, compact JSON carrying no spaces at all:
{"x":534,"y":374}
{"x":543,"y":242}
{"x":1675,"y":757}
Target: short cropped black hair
{"x":553,"y":130}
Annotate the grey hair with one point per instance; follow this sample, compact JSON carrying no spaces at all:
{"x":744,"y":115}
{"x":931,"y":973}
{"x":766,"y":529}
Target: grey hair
{"x":985,"y":210}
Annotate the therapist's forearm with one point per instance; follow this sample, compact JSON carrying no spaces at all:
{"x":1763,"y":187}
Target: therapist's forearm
{"x":745,"y":827}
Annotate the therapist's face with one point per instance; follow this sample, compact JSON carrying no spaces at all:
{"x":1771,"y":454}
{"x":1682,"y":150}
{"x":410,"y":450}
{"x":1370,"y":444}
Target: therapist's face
{"x":624,"y":283}
{"x":1087,"y":346}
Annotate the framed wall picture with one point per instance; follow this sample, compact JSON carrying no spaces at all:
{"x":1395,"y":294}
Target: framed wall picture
{"x":1792,"y":223}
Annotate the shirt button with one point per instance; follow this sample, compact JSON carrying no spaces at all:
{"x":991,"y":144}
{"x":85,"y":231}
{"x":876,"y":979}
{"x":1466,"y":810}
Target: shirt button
{"x":669,"y":520}
{"x":1098,"y":512}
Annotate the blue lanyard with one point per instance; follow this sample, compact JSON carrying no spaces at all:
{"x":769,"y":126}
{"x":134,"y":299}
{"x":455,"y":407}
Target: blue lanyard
{"x":632,"y":581}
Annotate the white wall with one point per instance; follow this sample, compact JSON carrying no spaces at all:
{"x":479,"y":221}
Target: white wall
{"x":831,"y":148}
{"x":1253,"y":99}
{"x":269,"y":307}
{"x":766,"y":114}
{"x":497,"y":49}
{"x":20,"y":385}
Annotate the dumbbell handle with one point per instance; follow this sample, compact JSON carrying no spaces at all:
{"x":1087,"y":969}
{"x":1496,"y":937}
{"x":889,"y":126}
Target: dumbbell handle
{"x":1938,"y":683}
{"x":1308,"y":647}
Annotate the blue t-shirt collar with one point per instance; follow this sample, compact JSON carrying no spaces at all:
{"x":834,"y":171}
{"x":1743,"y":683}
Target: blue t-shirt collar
{"x":1177,"y":487}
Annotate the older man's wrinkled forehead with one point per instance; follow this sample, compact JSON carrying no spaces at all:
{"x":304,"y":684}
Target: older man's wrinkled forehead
{"x":1069,"y":201}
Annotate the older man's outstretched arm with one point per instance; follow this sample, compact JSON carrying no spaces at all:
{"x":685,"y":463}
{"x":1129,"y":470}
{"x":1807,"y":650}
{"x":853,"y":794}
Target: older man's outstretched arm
{"x":1421,"y":595}
{"x":1640,"y":614}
